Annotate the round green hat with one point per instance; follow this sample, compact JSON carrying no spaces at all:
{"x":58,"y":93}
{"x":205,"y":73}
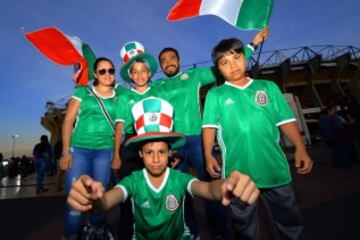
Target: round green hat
{"x":132,"y":51}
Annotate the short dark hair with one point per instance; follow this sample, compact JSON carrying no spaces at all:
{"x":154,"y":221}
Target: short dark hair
{"x":96,"y":64}
{"x":168,"y":49}
{"x":224,"y":46}
{"x":44,"y":139}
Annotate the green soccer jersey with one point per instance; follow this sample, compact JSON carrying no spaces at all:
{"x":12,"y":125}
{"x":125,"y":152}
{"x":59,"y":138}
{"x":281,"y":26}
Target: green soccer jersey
{"x":120,"y":90}
{"x":125,"y":104}
{"x":92,"y":130}
{"x":158,"y":212}
{"x":247,"y":120}
{"x":183,"y":90}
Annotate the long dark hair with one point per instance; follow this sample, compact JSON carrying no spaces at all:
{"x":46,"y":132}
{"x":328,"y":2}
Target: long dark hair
{"x":95,"y":66}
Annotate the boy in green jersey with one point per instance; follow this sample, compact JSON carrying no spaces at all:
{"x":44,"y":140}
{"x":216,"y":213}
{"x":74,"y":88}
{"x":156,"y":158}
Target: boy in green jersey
{"x":246,"y":114}
{"x":157,"y":192}
{"x":137,"y":69}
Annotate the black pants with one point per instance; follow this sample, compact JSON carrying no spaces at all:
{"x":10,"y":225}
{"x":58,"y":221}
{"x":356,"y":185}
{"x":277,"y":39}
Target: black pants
{"x":131,"y":162}
{"x":284,"y":219}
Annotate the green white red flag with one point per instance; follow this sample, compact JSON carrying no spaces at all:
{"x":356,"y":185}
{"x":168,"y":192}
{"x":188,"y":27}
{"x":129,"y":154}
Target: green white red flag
{"x":64,"y":50}
{"x":243,"y":14}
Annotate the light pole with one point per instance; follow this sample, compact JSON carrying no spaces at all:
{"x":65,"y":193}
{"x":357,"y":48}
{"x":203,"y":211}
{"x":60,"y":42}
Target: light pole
{"x":13,"y":144}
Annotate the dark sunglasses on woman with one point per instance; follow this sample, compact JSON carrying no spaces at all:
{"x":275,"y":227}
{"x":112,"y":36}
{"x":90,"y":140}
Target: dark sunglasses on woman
{"x":103,"y":71}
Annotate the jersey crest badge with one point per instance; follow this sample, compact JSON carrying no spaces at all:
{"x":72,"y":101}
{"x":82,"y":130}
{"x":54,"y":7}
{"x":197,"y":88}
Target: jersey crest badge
{"x":171,"y":202}
{"x":261,"y":98}
{"x":184,"y":76}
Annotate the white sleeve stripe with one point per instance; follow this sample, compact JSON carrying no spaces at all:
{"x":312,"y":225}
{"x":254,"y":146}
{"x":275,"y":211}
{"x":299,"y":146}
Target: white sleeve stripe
{"x":251,"y":47}
{"x":119,"y":120}
{"x":77,"y":98}
{"x":286,"y":121}
{"x":210,"y":126}
{"x":189,"y":186}
{"x":124,"y":191}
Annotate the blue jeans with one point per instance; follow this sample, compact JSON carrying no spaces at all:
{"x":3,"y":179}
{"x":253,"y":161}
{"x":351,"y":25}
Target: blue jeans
{"x":192,"y":152}
{"x":97,"y":164}
{"x":41,"y":166}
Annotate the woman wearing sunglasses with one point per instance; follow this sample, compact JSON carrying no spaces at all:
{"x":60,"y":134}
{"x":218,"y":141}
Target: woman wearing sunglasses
{"x":88,"y":137}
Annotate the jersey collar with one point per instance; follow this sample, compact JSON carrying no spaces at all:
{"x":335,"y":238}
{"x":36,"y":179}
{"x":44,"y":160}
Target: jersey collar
{"x":241,"y":88}
{"x":140,"y":93}
{"x":157,"y":190}
{"x":99,"y":95}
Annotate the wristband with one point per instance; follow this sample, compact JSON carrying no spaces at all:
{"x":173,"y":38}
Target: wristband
{"x":65,"y":153}
{"x":253,"y":45}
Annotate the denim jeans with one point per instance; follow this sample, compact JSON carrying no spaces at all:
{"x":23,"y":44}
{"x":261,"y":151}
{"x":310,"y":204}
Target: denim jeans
{"x":97,"y":164}
{"x":41,"y":166}
{"x":192,"y":152}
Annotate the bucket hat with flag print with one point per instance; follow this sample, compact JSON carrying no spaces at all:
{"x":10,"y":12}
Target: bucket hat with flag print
{"x":154,"y":121}
{"x":132,"y":51}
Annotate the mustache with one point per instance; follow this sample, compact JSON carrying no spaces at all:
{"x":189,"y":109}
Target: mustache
{"x":170,"y":66}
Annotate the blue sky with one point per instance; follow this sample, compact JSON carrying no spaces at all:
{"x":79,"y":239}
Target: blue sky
{"x":29,"y":79}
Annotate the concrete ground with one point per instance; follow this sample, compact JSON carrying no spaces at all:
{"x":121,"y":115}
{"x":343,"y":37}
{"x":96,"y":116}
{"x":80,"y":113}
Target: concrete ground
{"x":329,"y":199}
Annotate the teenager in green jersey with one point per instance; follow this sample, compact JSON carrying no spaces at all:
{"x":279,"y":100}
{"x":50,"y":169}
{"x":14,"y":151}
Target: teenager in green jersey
{"x":182,"y":90}
{"x":88,"y":137}
{"x":246,"y":114}
{"x":157,"y":192}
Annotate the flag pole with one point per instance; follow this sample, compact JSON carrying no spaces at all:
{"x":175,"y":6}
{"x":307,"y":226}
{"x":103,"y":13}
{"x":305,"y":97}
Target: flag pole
{"x":258,"y":57}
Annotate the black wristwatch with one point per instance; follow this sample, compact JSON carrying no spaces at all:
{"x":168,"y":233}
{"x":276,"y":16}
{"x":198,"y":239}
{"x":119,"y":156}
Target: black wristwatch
{"x":253,"y":45}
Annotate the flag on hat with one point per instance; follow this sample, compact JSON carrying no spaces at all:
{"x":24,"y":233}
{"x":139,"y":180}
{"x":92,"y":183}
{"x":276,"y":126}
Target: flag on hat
{"x":154,"y":121}
{"x":243,"y":14}
{"x":132,"y":51}
{"x":64,"y":50}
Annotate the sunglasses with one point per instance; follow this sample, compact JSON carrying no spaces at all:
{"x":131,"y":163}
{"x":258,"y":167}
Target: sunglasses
{"x":103,"y":71}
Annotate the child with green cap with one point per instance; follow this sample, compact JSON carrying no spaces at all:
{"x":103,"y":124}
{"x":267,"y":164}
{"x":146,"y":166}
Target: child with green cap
{"x":138,"y":68}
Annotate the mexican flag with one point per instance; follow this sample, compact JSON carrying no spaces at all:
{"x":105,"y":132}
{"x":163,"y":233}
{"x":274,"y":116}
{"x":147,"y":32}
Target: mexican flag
{"x":243,"y":14}
{"x":64,"y":50}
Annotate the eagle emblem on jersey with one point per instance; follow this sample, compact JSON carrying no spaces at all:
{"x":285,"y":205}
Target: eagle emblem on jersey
{"x":153,"y":117}
{"x":184,"y":76}
{"x":171,"y":202}
{"x":261,"y":98}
